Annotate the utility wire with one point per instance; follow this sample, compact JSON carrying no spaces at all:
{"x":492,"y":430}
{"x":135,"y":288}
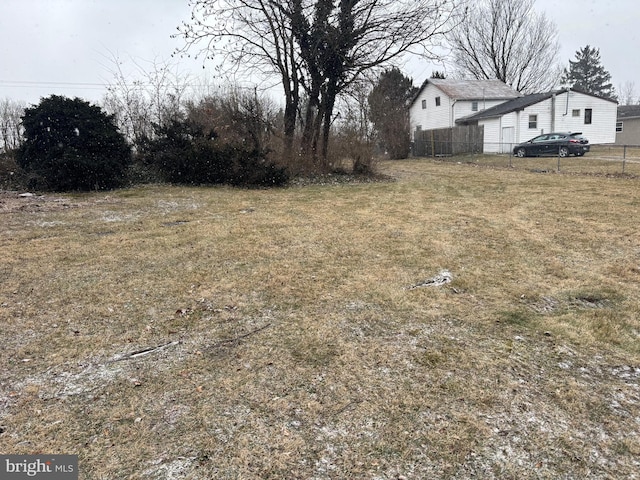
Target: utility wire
{"x":29,"y":83}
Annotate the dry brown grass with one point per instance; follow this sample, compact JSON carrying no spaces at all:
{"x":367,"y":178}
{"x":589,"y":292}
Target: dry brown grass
{"x":290,"y":346}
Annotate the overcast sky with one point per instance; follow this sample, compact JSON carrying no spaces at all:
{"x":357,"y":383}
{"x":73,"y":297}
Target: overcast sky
{"x":67,"y":47}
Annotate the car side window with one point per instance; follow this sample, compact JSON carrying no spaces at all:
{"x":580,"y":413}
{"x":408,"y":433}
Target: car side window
{"x":541,"y":138}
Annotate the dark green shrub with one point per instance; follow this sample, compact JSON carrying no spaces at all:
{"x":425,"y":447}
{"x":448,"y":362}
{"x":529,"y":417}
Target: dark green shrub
{"x":183,"y":153}
{"x":252,"y":168}
{"x":72,"y":145}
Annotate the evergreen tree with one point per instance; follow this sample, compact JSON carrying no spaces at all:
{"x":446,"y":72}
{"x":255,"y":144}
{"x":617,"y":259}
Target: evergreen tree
{"x":389,"y":102}
{"x":72,"y":145}
{"x":586,"y":73}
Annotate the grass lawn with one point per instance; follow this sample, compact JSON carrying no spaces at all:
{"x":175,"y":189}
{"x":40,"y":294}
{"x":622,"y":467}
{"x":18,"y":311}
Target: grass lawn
{"x":169,"y":332}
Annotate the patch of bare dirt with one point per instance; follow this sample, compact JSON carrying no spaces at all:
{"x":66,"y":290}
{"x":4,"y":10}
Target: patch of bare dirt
{"x":12,"y":201}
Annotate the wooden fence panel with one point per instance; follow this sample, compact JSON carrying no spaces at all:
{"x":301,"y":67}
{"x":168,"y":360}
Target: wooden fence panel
{"x":448,"y":141}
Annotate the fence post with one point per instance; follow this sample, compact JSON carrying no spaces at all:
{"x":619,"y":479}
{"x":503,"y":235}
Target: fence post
{"x":558,"y":170}
{"x":433,"y":146}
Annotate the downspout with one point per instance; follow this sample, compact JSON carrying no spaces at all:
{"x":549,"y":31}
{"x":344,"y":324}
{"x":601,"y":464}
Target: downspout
{"x":500,"y":147}
{"x":453,"y":116}
{"x":553,"y":112}
{"x":566,"y":108}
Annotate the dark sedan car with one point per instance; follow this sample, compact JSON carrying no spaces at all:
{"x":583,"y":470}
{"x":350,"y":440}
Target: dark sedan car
{"x":561,"y":144}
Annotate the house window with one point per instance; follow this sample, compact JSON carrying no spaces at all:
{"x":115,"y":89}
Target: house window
{"x":575,"y":112}
{"x":618,"y":126}
{"x":474,"y":106}
{"x":587,"y":116}
{"x":437,"y":101}
{"x":533,"y":121}
{"x":424,"y":104}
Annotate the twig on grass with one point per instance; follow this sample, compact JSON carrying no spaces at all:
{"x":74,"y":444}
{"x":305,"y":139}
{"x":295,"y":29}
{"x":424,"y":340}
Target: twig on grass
{"x":145,"y":351}
{"x":345,"y":407}
{"x":237,"y":339}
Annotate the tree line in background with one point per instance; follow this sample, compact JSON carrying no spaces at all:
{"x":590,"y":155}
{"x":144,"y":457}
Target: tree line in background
{"x":342,"y":97}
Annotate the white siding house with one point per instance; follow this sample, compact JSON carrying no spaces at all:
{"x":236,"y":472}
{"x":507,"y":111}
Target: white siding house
{"x":566,"y":110}
{"x":440,"y":102}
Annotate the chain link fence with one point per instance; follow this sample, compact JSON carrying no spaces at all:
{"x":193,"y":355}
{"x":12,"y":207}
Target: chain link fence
{"x":600,"y":160}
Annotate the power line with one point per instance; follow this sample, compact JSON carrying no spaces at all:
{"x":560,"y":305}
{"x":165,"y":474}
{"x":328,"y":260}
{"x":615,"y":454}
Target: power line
{"x":86,"y":85}
{"x":32,"y":83}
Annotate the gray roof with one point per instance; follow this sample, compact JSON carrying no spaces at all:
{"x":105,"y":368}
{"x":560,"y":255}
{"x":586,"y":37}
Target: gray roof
{"x":507,"y":107}
{"x":628,"y":111}
{"x":471,"y":89}
{"x":475,"y":89}
{"x":518,"y":104}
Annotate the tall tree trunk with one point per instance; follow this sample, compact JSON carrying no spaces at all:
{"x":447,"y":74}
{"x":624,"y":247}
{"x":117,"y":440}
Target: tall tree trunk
{"x":328,"y":102}
{"x":290,"y":116}
{"x":309,"y":136}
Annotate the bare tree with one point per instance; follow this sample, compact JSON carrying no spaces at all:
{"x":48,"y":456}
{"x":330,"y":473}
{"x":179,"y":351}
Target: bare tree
{"x":150,"y":92}
{"x":352,"y":137}
{"x":11,"y":113}
{"x":507,"y":40}
{"x":628,"y":94}
{"x":237,"y":116}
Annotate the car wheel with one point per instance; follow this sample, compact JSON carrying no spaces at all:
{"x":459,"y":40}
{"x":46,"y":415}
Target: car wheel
{"x":521,"y":152}
{"x":563,"y":152}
